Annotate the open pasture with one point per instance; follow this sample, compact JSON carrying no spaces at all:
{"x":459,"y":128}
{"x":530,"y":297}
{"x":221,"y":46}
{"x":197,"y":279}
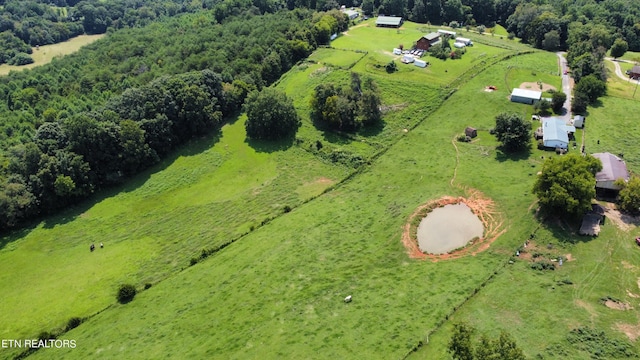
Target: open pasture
{"x":210,"y":193}
{"x":344,"y":59}
{"x":277,"y":292}
{"x":46,"y":53}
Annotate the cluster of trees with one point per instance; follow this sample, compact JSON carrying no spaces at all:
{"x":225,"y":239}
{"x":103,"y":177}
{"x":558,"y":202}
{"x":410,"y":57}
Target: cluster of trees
{"x":462,"y":345}
{"x":443,"y":51}
{"x":270,"y":115}
{"x":84,"y":126}
{"x":348,"y":108}
{"x":629,"y":195}
{"x":566,"y":184}
{"x":513,"y":132}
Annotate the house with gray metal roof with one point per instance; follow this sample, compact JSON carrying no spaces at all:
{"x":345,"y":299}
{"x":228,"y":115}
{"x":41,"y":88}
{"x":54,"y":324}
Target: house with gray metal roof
{"x":613,"y":168}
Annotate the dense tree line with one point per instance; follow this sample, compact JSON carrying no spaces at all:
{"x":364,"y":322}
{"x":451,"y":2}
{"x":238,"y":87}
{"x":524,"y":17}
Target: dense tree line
{"x":95,"y":129}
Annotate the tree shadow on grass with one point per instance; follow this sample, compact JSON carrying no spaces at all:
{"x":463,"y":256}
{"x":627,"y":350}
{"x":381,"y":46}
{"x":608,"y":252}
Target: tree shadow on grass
{"x":271,"y":146}
{"x":564,"y":229}
{"x":502,"y":155}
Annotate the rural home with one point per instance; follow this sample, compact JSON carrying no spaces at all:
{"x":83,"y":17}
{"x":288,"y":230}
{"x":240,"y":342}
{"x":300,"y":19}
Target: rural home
{"x":635,"y":72}
{"x":389,"y":21}
{"x":352,"y":14}
{"x":555,"y":133}
{"x":525,"y":96}
{"x":427,"y":41}
{"x":613,"y":168}
{"x":578,"y":121}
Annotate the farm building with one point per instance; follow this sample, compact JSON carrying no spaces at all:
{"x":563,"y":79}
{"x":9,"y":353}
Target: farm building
{"x":635,"y":72}
{"x":458,"y":45}
{"x":578,"y":121}
{"x":420,"y":63}
{"x":555,"y":133}
{"x":465,"y":41}
{"x":613,"y":168}
{"x":408,"y":59}
{"x":397,"y":51}
{"x":447,"y":32}
{"x":389,"y":21}
{"x":470,"y":132}
{"x":525,"y":96}
{"x":352,"y":14}
{"x":427,"y":41}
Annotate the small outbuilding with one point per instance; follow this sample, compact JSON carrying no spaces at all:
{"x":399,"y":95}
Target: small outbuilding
{"x":397,"y":51}
{"x":459,"y":45}
{"x":634,"y":73}
{"x":389,"y":21}
{"x":420,"y":63}
{"x":470,"y":132}
{"x":464,"y":41}
{"x":408,"y":59}
{"x":613,"y":168}
{"x":447,"y":33}
{"x":427,"y":41}
{"x":525,"y":96}
{"x":352,"y":14}
{"x":578,"y":121}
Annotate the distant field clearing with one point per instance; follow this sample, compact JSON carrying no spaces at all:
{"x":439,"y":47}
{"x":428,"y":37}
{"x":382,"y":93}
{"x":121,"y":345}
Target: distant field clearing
{"x":47,"y":52}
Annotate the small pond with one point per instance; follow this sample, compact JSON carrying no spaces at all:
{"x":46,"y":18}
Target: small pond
{"x":448,"y":228}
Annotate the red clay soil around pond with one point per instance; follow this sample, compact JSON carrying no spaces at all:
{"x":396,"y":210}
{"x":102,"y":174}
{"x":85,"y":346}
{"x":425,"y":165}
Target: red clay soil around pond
{"x":481,"y":206}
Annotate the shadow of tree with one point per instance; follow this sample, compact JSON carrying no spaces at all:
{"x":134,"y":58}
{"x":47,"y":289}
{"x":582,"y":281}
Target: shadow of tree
{"x":271,"y":146}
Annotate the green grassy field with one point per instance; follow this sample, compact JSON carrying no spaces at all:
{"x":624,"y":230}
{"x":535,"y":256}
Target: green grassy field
{"x":46,"y":53}
{"x":277,"y":291}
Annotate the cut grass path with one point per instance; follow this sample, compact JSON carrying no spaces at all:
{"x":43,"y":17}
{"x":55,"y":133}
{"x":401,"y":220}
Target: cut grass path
{"x":46,"y":53}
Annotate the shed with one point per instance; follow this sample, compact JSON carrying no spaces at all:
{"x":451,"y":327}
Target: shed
{"x":427,"y":41}
{"x":635,"y":72}
{"x":333,"y":36}
{"x":613,"y":168}
{"x":578,"y":121}
{"x":555,"y":133}
{"x":459,"y":45}
{"x":525,"y":96}
{"x":389,"y":21}
{"x":470,"y":132}
{"x":408,"y":59}
{"x":590,"y":224}
{"x":447,"y":32}
{"x":397,"y":51}
{"x":465,"y":41}
{"x":420,"y":63}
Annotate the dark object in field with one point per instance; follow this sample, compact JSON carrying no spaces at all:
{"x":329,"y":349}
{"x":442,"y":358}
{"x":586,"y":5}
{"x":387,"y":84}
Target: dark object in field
{"x":92,"y":247}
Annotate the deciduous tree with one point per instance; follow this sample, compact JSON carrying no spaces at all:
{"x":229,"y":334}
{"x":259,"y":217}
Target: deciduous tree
{"x":566,"y":184}
{"x":513,"y":132}
{"x":270,"y":115}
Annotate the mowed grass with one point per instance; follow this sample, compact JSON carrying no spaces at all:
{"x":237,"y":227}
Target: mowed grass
{"x":278,"y":293}
{"x":336,"y":57}
{"x":211,"y":192}
{"x":46,"y":53}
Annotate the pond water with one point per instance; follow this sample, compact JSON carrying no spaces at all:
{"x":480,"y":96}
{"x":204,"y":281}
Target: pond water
{"x":448,"y":228}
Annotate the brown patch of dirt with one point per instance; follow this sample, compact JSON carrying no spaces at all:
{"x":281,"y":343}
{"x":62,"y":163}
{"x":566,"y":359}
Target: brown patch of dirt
{"x":617,"y":305}
{"x":588,"y":307}
{"x":623,"y":221}
{"x":632,"y":331}
{"x":388,"y":108}
{"x":535,"y":86}
{"x":480,"y":205}
{"x":626,"y":265}
{"x":569,"y":257}
{"x":632,"y":295}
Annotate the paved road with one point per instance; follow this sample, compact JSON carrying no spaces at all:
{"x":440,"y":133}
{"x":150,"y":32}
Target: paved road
{"x":619,"y":73}
{"x":566,"y":86}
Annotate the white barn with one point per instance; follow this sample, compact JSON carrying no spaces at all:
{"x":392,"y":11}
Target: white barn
{"x":420,"y":63}
{"x":578,"y":121}
{"x":613,"y":168}
{"x":464,"y":41}
{"x":525,"y":96}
